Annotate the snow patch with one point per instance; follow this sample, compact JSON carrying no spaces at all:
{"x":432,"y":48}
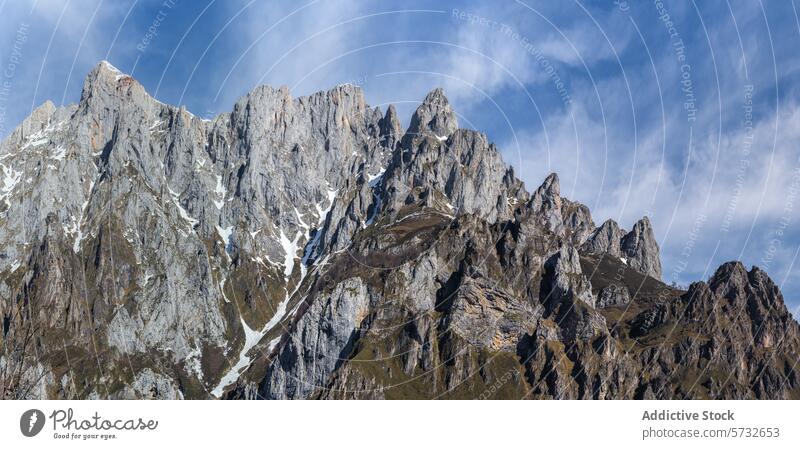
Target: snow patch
{"x":76,"y":227}
{"x":181,"y":211}
{"x":40,"y":142}
{"x":377,"y":199}
{"x":108,"y":66}
{"x":225,"y":235}
{"x":220,"y":192}
{"x":300,"y":220}
{"x":59,"y":153}
{"x":10,"y":180}
{"x":76,"y":246}
{"x":322,"y":213}
{"x":290,"y":252}
{"x":251,"y":338}
{"x":376,"y":178}
{"x":194,"y":363}
{"x":222,"y":288}
{"x":260,"y":260}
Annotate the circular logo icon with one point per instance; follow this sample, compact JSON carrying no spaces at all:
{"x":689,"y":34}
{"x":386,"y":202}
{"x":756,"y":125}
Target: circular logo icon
{"x":31,"y":422}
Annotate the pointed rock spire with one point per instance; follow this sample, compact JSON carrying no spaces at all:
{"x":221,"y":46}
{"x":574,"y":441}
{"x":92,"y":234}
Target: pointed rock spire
{"x":641,"y":249}
{"x":390,"y":129}
{"x":730,"y":281}
{"x":566,"y":289}
{"x":106,"y":89}
{"x":605,"y":240}
{"x":551,"y":186}
{"x":434,"y":116}
{"x":578,"y":221}
{"x":545,"y":203}
{"x":103,"y":77}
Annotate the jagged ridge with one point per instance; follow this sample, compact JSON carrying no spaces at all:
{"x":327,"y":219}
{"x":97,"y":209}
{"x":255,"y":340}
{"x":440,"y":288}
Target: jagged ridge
{"x":309,"y":247}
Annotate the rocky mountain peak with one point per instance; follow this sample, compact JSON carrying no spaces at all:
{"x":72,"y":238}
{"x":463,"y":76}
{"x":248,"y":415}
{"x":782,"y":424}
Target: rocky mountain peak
{"x":545,"y":204}
{"x":641,"y":249}
{"x":733,"y":282}
{"x":550,"y":187}
{"x":33,"y":125}
{"x":434,"y":116}
{"x":105,"y":79}
{"x":605,"y":239}
{"x":390,"y":128}
{"x":730,"y":280}
{"x":262,"y":254}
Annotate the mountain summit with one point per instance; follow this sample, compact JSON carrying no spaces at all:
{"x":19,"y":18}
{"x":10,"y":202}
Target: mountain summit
{"x":311,"y":248}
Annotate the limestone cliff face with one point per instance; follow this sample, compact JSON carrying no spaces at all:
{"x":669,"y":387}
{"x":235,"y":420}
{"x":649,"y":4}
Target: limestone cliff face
{"x":637,"y":248}
{"x":312,"y":248}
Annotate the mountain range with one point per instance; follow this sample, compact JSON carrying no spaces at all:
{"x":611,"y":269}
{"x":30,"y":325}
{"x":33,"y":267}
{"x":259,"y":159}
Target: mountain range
{"x":313,"y":248}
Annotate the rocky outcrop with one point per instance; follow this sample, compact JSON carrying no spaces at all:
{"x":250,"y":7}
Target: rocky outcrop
{"x":545,"y":205}
{"x":641,"y":249}
{"x":638,"y":248}
{"x":613,"y":295}
{"x":450,"y":169}
{"x":568,"y":297}
{"x":605,"y":240}
{"x":311,"y":248}
{"x":577,"y":221}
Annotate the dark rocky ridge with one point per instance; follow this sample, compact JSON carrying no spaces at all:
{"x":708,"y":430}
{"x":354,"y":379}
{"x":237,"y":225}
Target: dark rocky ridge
{"x":311,"y":248}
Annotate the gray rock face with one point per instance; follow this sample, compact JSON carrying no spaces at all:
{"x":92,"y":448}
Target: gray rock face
{"x":452,"y":170}
{"x":150,"y":385}
{"x":546,"y":203}
{"x":568,"y":299}
{"x":434,"y":117}
{"x":613,"y":295}
{"x":482,"y":315}
{"x":324,"y":337}
{"x":638,"y":248}
{"x":754,"y":291}
{"x":605,"y":240}
{"x":577,"y":221}
{"x":641,"y":249}
{"x":311,"y":248}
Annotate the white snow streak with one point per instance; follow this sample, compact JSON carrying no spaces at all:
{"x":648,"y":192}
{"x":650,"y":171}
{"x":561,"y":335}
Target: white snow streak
{"x":59,"y":153}
{"x":251,"y":338}
{"x":194,"y":362}
{"x":181,"y":211}
{"x":220,"y":191}
{"x":76,"y":245}
{"x":376,"y":178}
{"x":290,"y":252}
{"x":10,"y":179}
{"x":225,"y":235}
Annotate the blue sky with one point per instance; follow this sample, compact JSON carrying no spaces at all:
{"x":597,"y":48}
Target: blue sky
{"x":683,"y":111}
